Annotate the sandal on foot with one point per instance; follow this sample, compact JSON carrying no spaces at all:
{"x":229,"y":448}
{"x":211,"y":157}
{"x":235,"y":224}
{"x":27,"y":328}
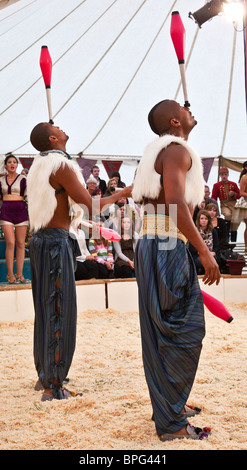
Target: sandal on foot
{"x":11,"y":279}
{"x":191,"y":410}
{"x":38,"y":386}
{"x":63,"y":394}
{"x":193,"y":433}
{"x":20,"y":278}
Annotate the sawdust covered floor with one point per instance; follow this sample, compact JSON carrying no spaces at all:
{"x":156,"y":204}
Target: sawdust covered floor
{"x":114,"y":412}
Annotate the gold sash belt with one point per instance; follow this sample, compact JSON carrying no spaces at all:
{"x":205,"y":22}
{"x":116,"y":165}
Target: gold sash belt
{"x":160,"y":225}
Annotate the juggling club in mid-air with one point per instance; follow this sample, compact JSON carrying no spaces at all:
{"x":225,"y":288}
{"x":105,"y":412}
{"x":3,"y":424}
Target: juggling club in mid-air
{"x":46,"y":69}
{"x":177,"y":32}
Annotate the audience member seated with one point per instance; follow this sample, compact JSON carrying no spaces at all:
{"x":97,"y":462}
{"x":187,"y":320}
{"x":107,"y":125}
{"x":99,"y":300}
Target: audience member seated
{"x":219,"y":225}
{"x":120,"y":183}
{"x":121,"y":208}
{"x":210,"y":237}
{"x":98,"y":217}
{"x":91,"y":184}
{"x":97,"y":193}
{"x":111,"y":187}
{"x":225,"y":249}
{"x":100,"y":183}
{"x":109,"y":212}
{"x":208,"y":199}
{"x":114,"y":221}
{"x":125,"y":250}
{"x":86,"y":266}
{"x":197,"y":209}
{"x":102,"y":252}
{"x":132,"y":210}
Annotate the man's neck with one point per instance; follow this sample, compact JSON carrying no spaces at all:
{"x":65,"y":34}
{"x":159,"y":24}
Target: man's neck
{"x":59,"y":147}
{"x":46,"y":152}
{"x":176,"y":134}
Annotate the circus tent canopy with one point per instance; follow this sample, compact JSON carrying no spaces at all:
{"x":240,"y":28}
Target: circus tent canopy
{"x":112,"y":61}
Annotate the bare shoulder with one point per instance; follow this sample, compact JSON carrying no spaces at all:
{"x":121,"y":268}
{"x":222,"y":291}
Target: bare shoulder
{"x":64,"y":171}
{"x":175,"y":155}
{"x":63,"y":177}
{"x":243,"y":180}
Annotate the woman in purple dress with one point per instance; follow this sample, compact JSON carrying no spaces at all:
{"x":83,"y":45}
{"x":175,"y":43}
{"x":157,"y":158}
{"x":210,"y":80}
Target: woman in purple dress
{"x":13,"y":218}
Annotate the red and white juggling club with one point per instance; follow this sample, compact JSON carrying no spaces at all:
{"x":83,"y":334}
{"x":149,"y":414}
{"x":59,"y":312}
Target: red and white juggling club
{"x":216,"y":307}
{"x":177,"y":32}
{"x":46,"y":69}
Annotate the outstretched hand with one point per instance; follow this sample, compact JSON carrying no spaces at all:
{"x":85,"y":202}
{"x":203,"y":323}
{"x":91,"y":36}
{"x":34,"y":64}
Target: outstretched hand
{"x":212,"y":272}
{"x":127,"y":191}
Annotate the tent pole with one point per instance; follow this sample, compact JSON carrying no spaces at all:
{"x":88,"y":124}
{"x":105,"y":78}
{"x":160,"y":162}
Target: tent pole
{"x":219,"y":165}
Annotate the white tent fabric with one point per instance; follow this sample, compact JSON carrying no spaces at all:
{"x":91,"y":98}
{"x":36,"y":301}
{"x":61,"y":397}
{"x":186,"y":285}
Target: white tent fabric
{"x":112,"y":61}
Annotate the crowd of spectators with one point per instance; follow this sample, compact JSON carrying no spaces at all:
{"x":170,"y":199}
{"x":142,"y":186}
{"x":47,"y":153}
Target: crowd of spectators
{"x":101,"y":258}
{"x":218,"y":223}
{"x":217,"y":220}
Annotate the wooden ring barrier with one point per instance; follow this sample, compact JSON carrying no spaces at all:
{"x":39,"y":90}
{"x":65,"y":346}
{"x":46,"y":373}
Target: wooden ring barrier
{"x":116,"y":294}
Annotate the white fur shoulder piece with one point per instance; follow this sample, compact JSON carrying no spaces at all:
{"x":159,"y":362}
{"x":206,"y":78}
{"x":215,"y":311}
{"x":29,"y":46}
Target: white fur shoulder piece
{"x":41,"y":197}
{"x":147,"y":181}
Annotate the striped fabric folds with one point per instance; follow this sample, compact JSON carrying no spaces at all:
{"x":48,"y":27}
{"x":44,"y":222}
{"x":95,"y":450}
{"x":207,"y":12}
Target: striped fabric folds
{"x":52,"y":259}
{"x":172,"y":327}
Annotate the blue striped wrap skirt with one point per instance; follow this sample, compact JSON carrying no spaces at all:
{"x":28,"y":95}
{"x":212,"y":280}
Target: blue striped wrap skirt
{"x":172,"y":327}
{"x":52,"y":261}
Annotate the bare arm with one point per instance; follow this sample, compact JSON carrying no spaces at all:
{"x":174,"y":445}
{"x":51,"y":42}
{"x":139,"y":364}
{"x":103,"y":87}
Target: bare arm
{"x":243,"y":186}
{"x":67,"y":179}
{"x":175,"y":161}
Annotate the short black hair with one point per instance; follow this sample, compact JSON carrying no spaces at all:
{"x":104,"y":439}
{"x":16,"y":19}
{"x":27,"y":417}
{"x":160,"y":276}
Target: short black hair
{"x":40,"y":136}
{"x":160,"y":121}
{"x":151,"y":120}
